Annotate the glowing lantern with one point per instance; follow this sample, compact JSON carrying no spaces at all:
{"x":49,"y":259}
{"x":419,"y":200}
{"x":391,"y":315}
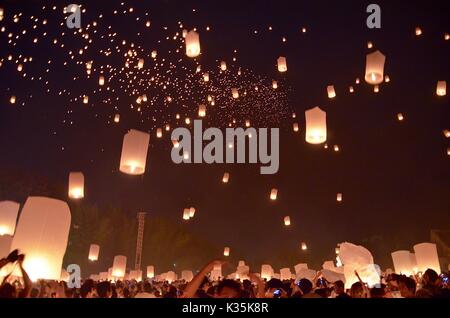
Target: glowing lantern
{"x":2,"y":12}
{"x":191,"y":212}
{"x":8,"y":217}
{"x":369,"y":45}
{"x":387,"y":79}
{"x":116,"y":118}
{"x":427,"y":257}
{"x":175,"y":143}
{"x":446,"y":133}
{"x":376,"y":89}
{"x":441,"y":89}
{"x":140,"y":63}
{"x":101,"y":80}
{"x":339,"y":197}
{"x":331,"y":92}
{"x":316,"y":126}
{"x":295,"y":127}
{"x":446,"y":36}
{"x":201,"y":111}
{"x":304,"y":247}
{"x":192,"y":40}
{"x":223,"y":66}
{"x":418,"y":31}
{"x":282,"y":64}
{"x":235,"y":92}
{"x":336,"y":148}
{"x":94,"y":250}
{"x":119,"y":266}
{"x":154,"y":54}
{"x":336,"y":250}
{"x":198,"y":69}
{"x":351,"y":89}
{"x":76,"y":185}
{"x":150,"y":271}
{"x":187,"y":276}
{"x":12,"y":99}
{"x":273,"y":194}
{"x":42,"y":235}
{"x":226,"y":251}
{"x":267,"y":272}
{"x":375,"y":68}
{"x":206,"y":77}
{"x":287,"y":221}
{"x":159,"y":132}
{"x":226,"y":177}
{"x":285,"y":274}
{"x":134,"y":152}
{"x":274,"y":84}
{"x":403,"y":263}
{"x":400,"y":116}
{"x":186,"y":214}
{"x":85,"y":99}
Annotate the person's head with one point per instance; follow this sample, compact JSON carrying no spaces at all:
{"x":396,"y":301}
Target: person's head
{"x":339,"y":287}
{"x":305,"y":286}
{"x":87,"y":289}
{"x":104,"y":290}
{"x":378,"y":292}
{"x":357,"y":290}
{"x":8,"y":291}
{"x":274,"y":288}
{"x":147,"y":287}
{"x":228,"y":288}
{"x":407,"y":287}
{"x":430,"y":277}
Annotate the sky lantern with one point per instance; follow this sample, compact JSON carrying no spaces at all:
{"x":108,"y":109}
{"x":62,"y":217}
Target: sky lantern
{"x":85,"y":99}
{"x":287,"y":221}
{"x":191,"y":212}
{"x":226,"y":177}
{"x":150,"y":271}
{"x":316,"y":126}
{"x":101,"y":80}
{"x":187,"y":276}
{"x":274,"y":84}
{"x":304,"y":247}
{"x":375,"y":68}
{"x":376,"y":88}
{"x":12,"y":99}
{"x":186,"y":214}
{"x":295,"y":127}
{"x":192,"y":40}
{"x":267,"y":272}
{"x":400,"y":117}
{"x":235,"y":92}
{"x":226,"y":251}
{"x":339,"y":197}
{"x":116,"y":118}
{"x":402,"y":263}
{"x":331,"y":92}
{"x":158,"y":132}
{"x":154,"y":54}
{"x":223,"y":66}
{"x":134,"y":152}
{"x":76,"y":185}
{"x":441,"y":89}
{"x":94,"y":250}
{"x":282,"y":64}
{"x":351,"y":89}
{"x":273,"y":194}
{"x":206,"y":77}
{"x":42,"y":235}
{"x":336,"y":250}
{"x":141,"y":63}
{"x":418,"y":31}
{"x":387,"y":79}
{"x":8,"y":217}
{"x":427,"y":257}
{"x":2,"y":12}
{"x":201,"y":110}
{"x":119,"y":266}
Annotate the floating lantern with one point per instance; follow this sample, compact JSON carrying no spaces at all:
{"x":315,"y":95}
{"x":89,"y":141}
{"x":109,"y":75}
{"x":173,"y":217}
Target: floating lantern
{"x":192,"y":40}
{"x":76,"y":185}
{"x":2,"y":12}
{"x":287,"y":221}
{"x":186,"y":214}
{"x":235,"y":92}
{"x":12,"y":99}
{"x":101,"y":80}
{"x":223,"y":66}
{"x":150,"y":271}
{"x":418,"y":31}
{"x":376,"y":89}
{"x":226,"y":177}
{"x":191,"y":212}
{"x":448,"y":151}
{"x":273,"y":194}
{"x":201,"y":111}
{"x":285,"y":274}
{"x":304,"y":247}
{"x":369,"y":45}
{"x":187,"y":120}
{"x":140,"y":63}
{"x":331,"y":92}
{"x":134,"y":152}
{"x":94,"y":250}
{"x":316,"y":126}
{"x":427,"y":257}
{"x":267,"y":272}
{"x":400,"y":117}
{"x":187,"y":276}
{"x":282,"y":64}
{"x":441,"y":89}
{"x":184,"y":33}
{"x":119,"y":266}
{"x":198,"y":69}
{"x":274,"y":84}
{"x":206,"y":77}
{"x":295,"y":127}
{"x":387,"y":79}
{"x":226,"y":251}
{"x":339,"y":197}
{"x":8,"y":217}
{"x":116,"y":118}
{"x":446,"y":36}
{"x":85,"y":99}
{"x":351,"y":89}
{"x":336,"y":148}
{"x":159,"y":132}
{"x":375,"y":68}
{"x":247,"y":123}
{"x":42,"y":235}
{"x":154,"y":54}
{"x":402,"y":263}
{"x":357,"y":81}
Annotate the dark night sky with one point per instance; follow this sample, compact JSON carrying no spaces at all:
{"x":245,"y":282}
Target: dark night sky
{"x":394,"y":176}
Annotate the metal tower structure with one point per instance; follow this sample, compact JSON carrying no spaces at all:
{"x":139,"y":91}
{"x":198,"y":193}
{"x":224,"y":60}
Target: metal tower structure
{"x":140,"y":238}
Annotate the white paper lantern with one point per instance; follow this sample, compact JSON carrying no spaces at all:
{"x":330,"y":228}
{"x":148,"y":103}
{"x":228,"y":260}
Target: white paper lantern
{"x":85,"y":99}
{"x":339,"y":197}
{"x":295,"y":127}
{"x":140,"y":63}
{"x":331,"y":92}
{"x":226,"y":251}
{"x":201,"y":110}
{"x":403,"y":263}
{"x":42,"y":234}
{"x":267,"y":272}
{"x":187,"y":276}
{"x":101,"y":80}
{"x":8,"y":218}
{"x":223,"y":66}
{"x":94,"y":250}
{"x":235,"y":93}
{"x":158,"y":132}
{"x":192,"y":40}
{"x":119,"y":266}
{"x":273,"y":194}
{"x":304,"y":247}
{"x":186,"y":214}
{"x":282,"y":64}
{"x":2,"y":12}
{"x":150,"y":271}
{"x":134,"y":152}
{"x":226,"y":177}
{"x":76,"y":185}
{"x":427,"y":257}
{"x":191,"y":212}
{"x":206,"y":77}
{"x":287,"y":221}
{"x":274,"y":84}
{"x":116,"y":118}
{"x":375,"y":68}
{"x":103,"y":276}
{"x":441,"y":89}
{"x":154,"y":54}
{"x":316,"y":126}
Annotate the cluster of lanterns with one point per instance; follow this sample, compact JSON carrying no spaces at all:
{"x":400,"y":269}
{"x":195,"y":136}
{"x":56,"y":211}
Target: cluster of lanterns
{"x":188,"y":213}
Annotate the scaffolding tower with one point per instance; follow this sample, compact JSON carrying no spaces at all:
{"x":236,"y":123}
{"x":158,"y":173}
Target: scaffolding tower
{"x":140,"y":238}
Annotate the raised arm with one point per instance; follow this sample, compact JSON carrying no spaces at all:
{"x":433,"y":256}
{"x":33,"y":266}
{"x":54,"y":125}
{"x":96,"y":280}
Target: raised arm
{"x":195,"y":283}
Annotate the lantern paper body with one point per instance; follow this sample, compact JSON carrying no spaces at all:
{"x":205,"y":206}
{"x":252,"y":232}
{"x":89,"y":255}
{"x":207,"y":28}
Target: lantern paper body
{"x":201,"y":111}
{"x":235,"y":93}
{"x":304,"y":247}
{"x":216,"y":273}
{"x":8,"y":218}
{"x":375,"y":68}
{"x":187,"y":275}
{"x":101,"y":80}
{"x":206,"y":77}
{"x":287,"y":221}
{"x":267,"y":272}
{"x":110,"y":276}
{"x":300,"y":266}
{"x":103,"y":276}
{"x":42,"y":234}
{"x":285,"y":274}
{"x":134,"y":152}
{"x":186,"y":214}
{"x":306,"y":273}
{"x":150,"y":271}
{"x":295,"y":127}
{"x":273,"y":194}
{"x":282,"y":64}
{"x":119,"y":266}
{"x":441,"y":89}
{"x":316,"y":126}
{"x":339,"y":197}
{"x":274,"y":84}
{"x":94,"y":250}
{"x":226,"y":177}
{"x":223,"y":66}
{"x":331,"y":92}
{"x":5,"y":245}
{"x":140,"y":63}
{"x":333,"y":275}
{"x":226,"y":251}
{"x":402,"y":262}
{"x":427,"y":257}
{"x":116,"y":118}
{"x":328,"y":265}
{"x":192,"y":40}
{"x":171,"y":276}
{"x":158,"y":132}
{"x":76,"y":185}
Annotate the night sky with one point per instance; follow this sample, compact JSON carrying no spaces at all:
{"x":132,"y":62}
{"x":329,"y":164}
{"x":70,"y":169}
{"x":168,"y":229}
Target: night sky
{"x":394,"y":176}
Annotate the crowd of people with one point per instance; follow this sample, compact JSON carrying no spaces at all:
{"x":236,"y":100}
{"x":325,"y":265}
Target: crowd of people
{"x":427,"y":285}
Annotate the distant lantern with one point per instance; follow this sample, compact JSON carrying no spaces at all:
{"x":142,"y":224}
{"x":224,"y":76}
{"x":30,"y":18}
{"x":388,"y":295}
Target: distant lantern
{"x":140,"y":63}
{"x":167,"y":127}
{"x":418,"y":31}
{"x":116,"y":118}
{"x":192,"y":40}
{"x":331,"y":92}
{"x":2,"y":12}
{"x":235,"y":92}
{"x":101,"y":80}
{"x":274,"y":84}
{"x":154,"y":54}
{"x":226,"y":177}
{"x":198,"y":69}
{"x":351,"y":89}
{"x":119,"y":266}
{"x":247,"y":123}
{"x":273,"y":194}
{"x":376,"y":89}
{"x":336,"y":250}
{"x":446,"y":133}
{"x":201,"y":111}
{"x":134,"y":152}
{"x":42,"y":234}
{"x":94,"y":250}
{"x":441,"y":89}
{"x":150,"y":271}
{"x":400,"y":117}
{"x":282,"y":64}
{"x":76,"y":185}
{"x":287,"y":221}
{"x":357,"y":81}
{"x":295,"y":127}
{"x":186,"y":214}
{"x":369,"y":45}
{"x":387,"y":79}
{"x":403,"y":263}
{"x":375,"y":68}
{"x":223,"y":66}
{"x":427,"y":257}
{"x":304,"y":247}
{"x":191,"y":212}
{"x":206,"y":77}
{"x":158,"y":132}
{"x":85,"y":99}
{"x":12,"y":99}
{"x":8,"y":217}
{"x":336,"y":148}
{"x":226,"y":251}
{"x":339,"y":197}
{"x":184,"y":33}
{"x":316,"y":126}
{"x":446,"y":36}
{"x":187,"y":120}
